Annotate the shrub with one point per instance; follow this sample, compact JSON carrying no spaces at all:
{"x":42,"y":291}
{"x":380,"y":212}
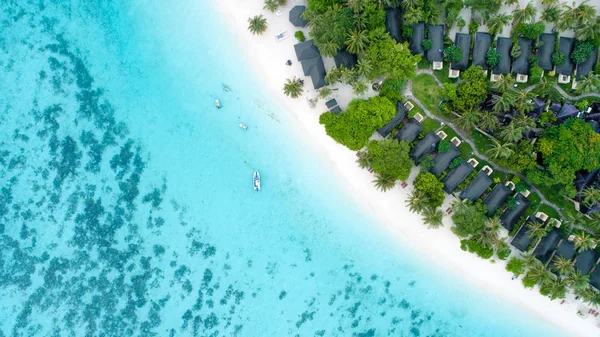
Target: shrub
{"x":520,"y":187}
{"x":407,"y":31}
{"x":431,"y":187}
{"x":469,"y":219}
{"x":390,"y":157}
{"x":503,"y":251}
{"x":483,"y":251}
{"x":427,"y":44}
{"x":300,"y":36}
{"x":453,"y":53}
{"x":492,"y":57}
{"x":456,"y":162}
{"x":582,"y":51}
{"x":528,"y":282}
{"x":392,"y":90}
{"x":448,"y":92}
{"x":547,"y":117}
{"x":426,"y":163}
{"x":558,"y":59}
{"x":582,"y":105}
{"x":443,"y":146}
{"x":515,"y":266}
{"x":536,"y":73}
{"x":515,"y":51}
{"x":531,"y":30}
{"x":473,"y":26}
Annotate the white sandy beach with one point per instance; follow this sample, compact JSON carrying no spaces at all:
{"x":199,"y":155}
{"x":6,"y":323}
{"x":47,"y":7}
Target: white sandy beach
{"x":441,"y":246}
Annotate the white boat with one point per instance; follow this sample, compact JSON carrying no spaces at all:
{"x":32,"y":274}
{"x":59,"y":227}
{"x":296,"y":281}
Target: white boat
{"x":218,"y":104}
{"x":243,"y":126}
{"x":256,"y":181}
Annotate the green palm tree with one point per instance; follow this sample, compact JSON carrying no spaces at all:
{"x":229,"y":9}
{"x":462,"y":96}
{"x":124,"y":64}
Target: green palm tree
{"x":459,"y":204}
{"x":536,"y":230}
{"x":357,"y":41}
{"x":523,"y":15}
{"x":590,"y":30}
{"x":468,"y":119}
{"x":530,"y":260}
{"x":417,"y":201}
{"x":584,"y":13}
{"x":364,"y":67}
{"x":589,"y":83}
{"x":384,"y":182}
{"x":497,"y":22}
{"x":576,"y":280}
{"x":498,"y":150}
{"x":549,"y":3}
{"x":567,"y":21}
{"x":504,"y":83}
{"x":364,"y":160}
{"x":523,"y":101}
{"x":356,"y":6}
{"x":511,"y":133}
{"x":551,"y":14}
{"x":271,"y":5}
{"x":584,"y":241}
{"x":328,"y":49}
{"x":293,"y":87}
{"x":257,"y":24}
{"x":524,"y":122}
{"x":409,"y":4}
{"x":504,"y":102}
{"x":539,"y":274}
{"x":487,"y":120}
{"x":557,"y":288}
{"x":590,"y":196}
{"x":433,"y":217}
{"x":562,"y":265}
{"x":413,"y":16}
{"x":544,"y":88}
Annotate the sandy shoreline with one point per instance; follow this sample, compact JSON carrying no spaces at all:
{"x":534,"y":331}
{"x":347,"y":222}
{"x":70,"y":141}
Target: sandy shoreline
{"x":441,"y":246}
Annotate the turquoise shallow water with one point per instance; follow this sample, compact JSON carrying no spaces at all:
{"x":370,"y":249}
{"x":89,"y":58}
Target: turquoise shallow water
{"x":126,"y":206}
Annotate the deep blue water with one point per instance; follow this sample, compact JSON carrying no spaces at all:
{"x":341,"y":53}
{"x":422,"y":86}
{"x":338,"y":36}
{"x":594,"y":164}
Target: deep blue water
{"x":126,"y":202}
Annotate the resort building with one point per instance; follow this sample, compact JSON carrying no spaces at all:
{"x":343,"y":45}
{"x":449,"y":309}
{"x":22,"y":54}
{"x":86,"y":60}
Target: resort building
{"x":409,"y":131}
{"x":586,"y":67}
{"x":464,"y":42}
{"x":595,"y":278}
{"x":435,"y":54}
{"x":522,"y":240}
{"x":393,"y":23}
{"x":586,"y":260}
{"x":546,"y":247}
{"x":482,"y":44}
{"x":477,"y":186}
{"x":512,"y":215}
{"x":427,"y":145}
{"x":503,"y":47}
{"x":545,"y":50}
{"x":565,"y":71}
{"x":401,"y":113}
{"x":443,"y":159}
{"x":295,"y":16}
{"x":496,"y":198}
{"x":312,"y":63}
{"x":456,"y":176}
{"x":565,"y":249}
{"x":416,"y":42}
{"x":520,"y":66}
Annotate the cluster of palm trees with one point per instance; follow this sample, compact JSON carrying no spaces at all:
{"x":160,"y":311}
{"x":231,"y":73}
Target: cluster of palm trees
{"x":418,"y":202}
{"x":383,"y":182}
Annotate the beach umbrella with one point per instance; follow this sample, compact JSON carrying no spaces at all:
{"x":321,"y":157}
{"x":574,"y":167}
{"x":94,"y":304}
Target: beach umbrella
{"x":296,"y":16}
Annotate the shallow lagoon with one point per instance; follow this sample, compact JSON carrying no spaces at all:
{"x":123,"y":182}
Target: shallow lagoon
{"x":127,"y":208}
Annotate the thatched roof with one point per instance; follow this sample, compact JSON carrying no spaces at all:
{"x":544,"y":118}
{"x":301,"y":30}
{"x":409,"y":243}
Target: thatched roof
{"x":512,"y":215}
{"x":306,"y":50}
{"x":464,"y":42}
{"x":409,"y":131}
{"x":456,"y":176}
{"x":436,"y":35}
{"x":315,"y":68}
{"x":427,"y":145}
{"x":565,"y":46}
{"x":477,"y":186}
{"x":586,"y":260}
{"x":595,"y":278}
{"x":483,"y":41}
{"x":401,"y":113}
{"x":545,"y":51}
{"x":416,"y":42}
{"x":443,"y":159}
{"x":522,"y":240}
{"x":296,"y":16}
{"x":545,"y":248}
{"x":585,"y":67}
{"x":393,"y":23}
{"x":342,"y":57}
{"x":521,"y":64}
{"x":503,"y":47}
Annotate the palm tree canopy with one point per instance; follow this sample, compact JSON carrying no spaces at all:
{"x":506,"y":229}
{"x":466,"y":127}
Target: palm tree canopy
{"x":562,"y":265}
{"x":293,"y":87}
{"x":498,"y":150}
{"x":357,"y":41}
{"x":384,"y":182}
{"x":433,"y":217}
{"x":588,"y":84}
{"x":257,"y":24}
{"x":469,"y":118}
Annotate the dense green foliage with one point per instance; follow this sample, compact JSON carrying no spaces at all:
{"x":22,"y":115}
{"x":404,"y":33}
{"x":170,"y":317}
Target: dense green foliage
{"x":320,"y":6}
{"x":392,"y":89}
{"x":472,"y":90}
{"x":566,"y":149}
{"x":582,"y":51}
{"x":476,"y":247}
{"x":453,"y":53}
{"x":469,"y":218}
{"x":427,"y":44}
{"x":354,"y":127}
{"x":492,"y":57}
{"x":516,"y":266}
{"x":558,"y":58}
{"x":330,"y":29}
{"x":389,"y":58}
{"x":443,"y":146}
{"x":456,"y":162}
{"x":390,"y":157}
{"x":535,"y":73}
{"x":448,"y":92}
{"x":432,"y":189}
{"x":531,"y":30}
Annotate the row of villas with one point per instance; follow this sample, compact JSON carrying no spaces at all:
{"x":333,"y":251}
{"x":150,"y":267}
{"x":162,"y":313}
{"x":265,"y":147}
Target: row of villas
{"x":476,"y":52}
{"x":495,"y":196}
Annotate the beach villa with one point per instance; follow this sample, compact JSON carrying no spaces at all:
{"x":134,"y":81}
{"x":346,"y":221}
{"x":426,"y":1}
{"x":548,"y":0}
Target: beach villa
{"x":443,"y":159}
{"x":546,"y":247}
{"x":496,"y":198}
{"x":435,"y":54}
{"x":503,"y":47}
{"x":312,"y":63}
{"x":522,"y":240}
{"x":520,"y":66}
{"x":586,"y":67}
{"x":482,"y":44}
{"x":456,"y":176}
{"x":565,"y":70}
{"x":401,"y":113}
{"x":509,"y":218}
{"x":427,"y":145}
{"x":295,"y":16}
{"x":464,"y":42}
{"x":393,"y":23}
{"x":416,"y":42}
{"x":409,"y":131}
{"x":545,"y":50}
{"x":477,"y":186}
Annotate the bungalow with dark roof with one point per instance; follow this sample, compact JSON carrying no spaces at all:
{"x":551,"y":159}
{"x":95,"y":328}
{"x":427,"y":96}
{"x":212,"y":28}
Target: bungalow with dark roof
{"x":409,"y":131}
{"x":595,"y":278}
{"x":586,"y":67}
{"x":565,"y":70}
{"x":464,"y":42}
{"x":503,"y":47}
{"x":482,"y":44}
{"x":443,"y":159}
{"x":312,"y":63}
{"x":545,"y":248}
{"x":435,"y":54}
{"x":586,"y":260}
{"x":427,"y":145}
{"x":344,"y":58}
{"x":416,"y":42}
{"x":522,"y":240}
{"x":393,"y":23}
{"x":567,"y":111}
{"x":477,"y":186}
{"x":456,"y":176}
{"x":520,"y":65}
{"x":565,"y":249}
{"x":512,"y":215}
{"x":401,"y":113}
{"x":544,"y":53}
{"x":497,"y":197}
{"x":296,"y":18}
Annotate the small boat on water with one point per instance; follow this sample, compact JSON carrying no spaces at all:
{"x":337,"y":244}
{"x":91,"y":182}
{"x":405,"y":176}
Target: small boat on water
{"x":218,"y":104}
{"x":256,"y":181}
{"x":243,"y":126}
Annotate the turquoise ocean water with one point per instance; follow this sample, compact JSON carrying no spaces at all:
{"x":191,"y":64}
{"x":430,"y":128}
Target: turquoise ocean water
{"x":126,"y":201}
